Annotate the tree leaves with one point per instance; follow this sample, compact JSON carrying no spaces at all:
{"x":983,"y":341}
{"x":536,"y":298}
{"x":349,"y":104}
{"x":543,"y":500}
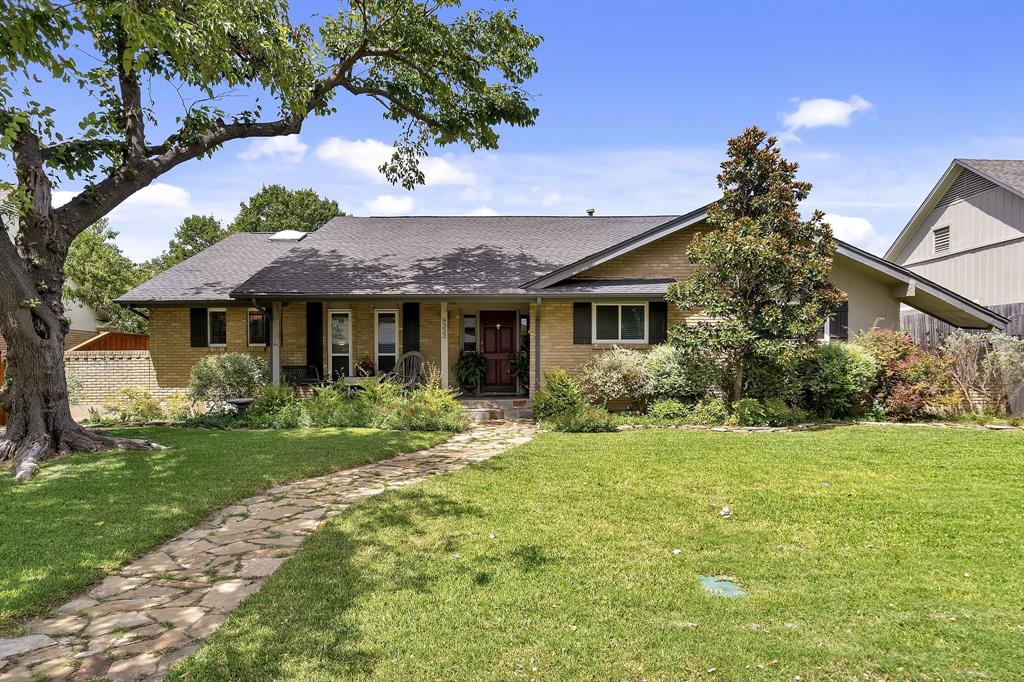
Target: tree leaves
{"x":764,"y":271}
{"x":275,"y":208}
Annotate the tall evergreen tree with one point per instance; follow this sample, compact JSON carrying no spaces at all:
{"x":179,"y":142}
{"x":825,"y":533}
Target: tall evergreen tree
{"x":763,"y":279}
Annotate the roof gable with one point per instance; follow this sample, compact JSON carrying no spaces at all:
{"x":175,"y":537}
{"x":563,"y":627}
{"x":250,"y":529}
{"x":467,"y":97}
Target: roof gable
{"x":963,"y":179}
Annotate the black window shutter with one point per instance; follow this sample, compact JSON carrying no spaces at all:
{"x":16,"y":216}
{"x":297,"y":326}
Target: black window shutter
{"x":657,"y":325}
{"x":267,"y":330}
{"x":581,"y":323}
{"x":839,"y":324}
{"x":197,"y":324}
{"x":410,"y":327}
{"x":315,"y":334}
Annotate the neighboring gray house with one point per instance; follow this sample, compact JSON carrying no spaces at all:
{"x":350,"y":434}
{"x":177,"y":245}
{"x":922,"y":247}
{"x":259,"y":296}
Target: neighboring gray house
{"x":968,"y":236}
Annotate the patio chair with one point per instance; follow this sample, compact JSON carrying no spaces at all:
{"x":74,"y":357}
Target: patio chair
{"x":409,"y":369}
{"x":301,"y":375}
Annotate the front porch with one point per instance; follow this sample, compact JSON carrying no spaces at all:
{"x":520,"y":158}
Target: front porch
{"x":328,"y":340}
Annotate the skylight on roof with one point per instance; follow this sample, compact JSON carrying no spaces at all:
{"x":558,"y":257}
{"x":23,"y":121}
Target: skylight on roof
{"x":288,"y":236}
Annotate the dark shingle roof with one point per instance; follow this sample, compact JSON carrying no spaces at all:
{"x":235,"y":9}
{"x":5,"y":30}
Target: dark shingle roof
{"x":622,"y":287}
{"x":438,"y":255}
{"x":1008,"y":172}
{"x":211,"y":274}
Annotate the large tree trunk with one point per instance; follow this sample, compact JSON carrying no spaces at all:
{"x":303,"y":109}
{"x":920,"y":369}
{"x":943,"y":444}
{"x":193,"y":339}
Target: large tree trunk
{"x":33,"y":324}
{"x":36,"y":396}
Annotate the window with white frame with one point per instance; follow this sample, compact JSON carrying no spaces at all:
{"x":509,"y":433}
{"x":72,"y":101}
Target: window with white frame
{"x":620,"y":323}
{"x":387,"y":340}
{"x":217,"y":326}
{"x":257,"y":327}
{"x":340,"y":341}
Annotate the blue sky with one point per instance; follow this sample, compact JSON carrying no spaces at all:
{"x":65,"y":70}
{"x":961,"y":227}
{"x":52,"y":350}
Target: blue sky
{"x":637,"y":100}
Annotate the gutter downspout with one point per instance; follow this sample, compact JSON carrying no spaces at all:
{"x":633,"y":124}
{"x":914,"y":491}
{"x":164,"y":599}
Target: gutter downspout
{"x":536,"y":352}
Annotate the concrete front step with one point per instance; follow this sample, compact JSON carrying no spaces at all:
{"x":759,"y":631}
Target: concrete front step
{"x":497,"y":408}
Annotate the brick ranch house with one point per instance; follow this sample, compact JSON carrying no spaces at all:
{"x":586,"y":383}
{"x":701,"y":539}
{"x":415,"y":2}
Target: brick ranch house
{"x":379,"y":287}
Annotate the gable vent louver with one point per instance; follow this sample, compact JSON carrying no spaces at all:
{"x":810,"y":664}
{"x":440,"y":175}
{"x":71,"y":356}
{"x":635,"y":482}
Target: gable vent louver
{"x":967,"y":184}
{"x":941,"y":236}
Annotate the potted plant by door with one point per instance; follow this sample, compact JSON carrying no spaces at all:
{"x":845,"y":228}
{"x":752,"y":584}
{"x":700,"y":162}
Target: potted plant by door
{"x":470,"y":369}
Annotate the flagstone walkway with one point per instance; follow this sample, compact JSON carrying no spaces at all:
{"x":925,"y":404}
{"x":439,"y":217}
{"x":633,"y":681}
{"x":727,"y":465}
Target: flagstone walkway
{"x":139,"y":621}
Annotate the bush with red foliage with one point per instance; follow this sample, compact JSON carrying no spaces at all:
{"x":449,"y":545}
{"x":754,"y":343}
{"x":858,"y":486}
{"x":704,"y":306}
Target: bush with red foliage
{"x":914,"y":381}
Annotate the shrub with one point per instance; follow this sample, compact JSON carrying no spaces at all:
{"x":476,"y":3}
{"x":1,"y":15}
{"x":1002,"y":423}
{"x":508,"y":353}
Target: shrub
{"x":710,"y":412}
{"x":986,"y":366}
{"x":615,"y":374}
{"x":330,"y":406}
{"x":670,"y":411}
{"x":914,"y":381}
{"x":178,"y":406}
{"x":749,"y":412}
{"x":74,"y":385}
{"x":218,"y":378}
{"x":685,"y":373}
{"x":781,"y":414}
{"x":560,"y":394}
{"x":836,"y":380}
{"x":272,"y":399}
{"x":775,"y":374}
{"x":587,"y":419}
{"x":134,"y":404}
{"x":430,"y":408}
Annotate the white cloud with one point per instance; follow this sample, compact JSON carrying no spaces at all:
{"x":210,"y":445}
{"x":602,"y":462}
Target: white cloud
{"x":482,"y":211}
{"x":439,"y":171}
{"x":386,"y":204}
{"x":160,"y":195}
{"x":366,"y":157}
{"x":361,"y":156}
{"x":288,"y":147}
{"x":61,"y":197}
{"x":858,"y":231}
{"x":814,"y":113}
{"x":551,"y":199}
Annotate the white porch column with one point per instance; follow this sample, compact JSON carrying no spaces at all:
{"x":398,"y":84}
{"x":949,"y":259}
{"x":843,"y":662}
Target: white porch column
{"x":276,"y":313}
{"x":444,"y":344}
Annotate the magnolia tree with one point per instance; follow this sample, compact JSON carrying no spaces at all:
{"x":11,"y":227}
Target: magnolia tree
{"x":109,"y":95}
{"x":763,"y":280}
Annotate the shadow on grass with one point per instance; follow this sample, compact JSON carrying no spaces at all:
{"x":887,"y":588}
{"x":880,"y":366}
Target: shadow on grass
{"x":86,"y":515}
{"x":304,"y":618}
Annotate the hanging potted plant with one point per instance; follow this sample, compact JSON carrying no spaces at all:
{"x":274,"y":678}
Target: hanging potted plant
{"x":470,"y":369}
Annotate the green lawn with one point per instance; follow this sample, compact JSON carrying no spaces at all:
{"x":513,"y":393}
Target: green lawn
{"x":86,"y":515}
{"x":867,"y":553}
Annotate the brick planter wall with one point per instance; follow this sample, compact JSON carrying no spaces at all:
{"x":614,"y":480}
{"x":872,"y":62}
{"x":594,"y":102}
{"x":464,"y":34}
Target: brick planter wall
{"x":105,"y":372}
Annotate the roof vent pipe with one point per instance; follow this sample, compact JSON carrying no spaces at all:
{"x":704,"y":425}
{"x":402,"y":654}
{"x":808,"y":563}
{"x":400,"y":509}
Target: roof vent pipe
{"x":590,"y":212}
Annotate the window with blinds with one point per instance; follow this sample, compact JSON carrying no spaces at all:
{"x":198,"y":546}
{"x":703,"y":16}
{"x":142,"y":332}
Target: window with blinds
{"x":941,"y":239}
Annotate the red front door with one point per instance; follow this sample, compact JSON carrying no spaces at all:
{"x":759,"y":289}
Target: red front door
{"x":499,"y":330}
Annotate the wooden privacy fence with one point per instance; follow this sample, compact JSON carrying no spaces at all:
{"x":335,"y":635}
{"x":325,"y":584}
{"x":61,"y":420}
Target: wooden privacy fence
{"x":927,"y":330}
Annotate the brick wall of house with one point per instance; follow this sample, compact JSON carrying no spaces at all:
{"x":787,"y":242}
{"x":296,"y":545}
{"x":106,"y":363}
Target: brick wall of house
{"x":170,"y":342}
{"x":665,"y":257}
